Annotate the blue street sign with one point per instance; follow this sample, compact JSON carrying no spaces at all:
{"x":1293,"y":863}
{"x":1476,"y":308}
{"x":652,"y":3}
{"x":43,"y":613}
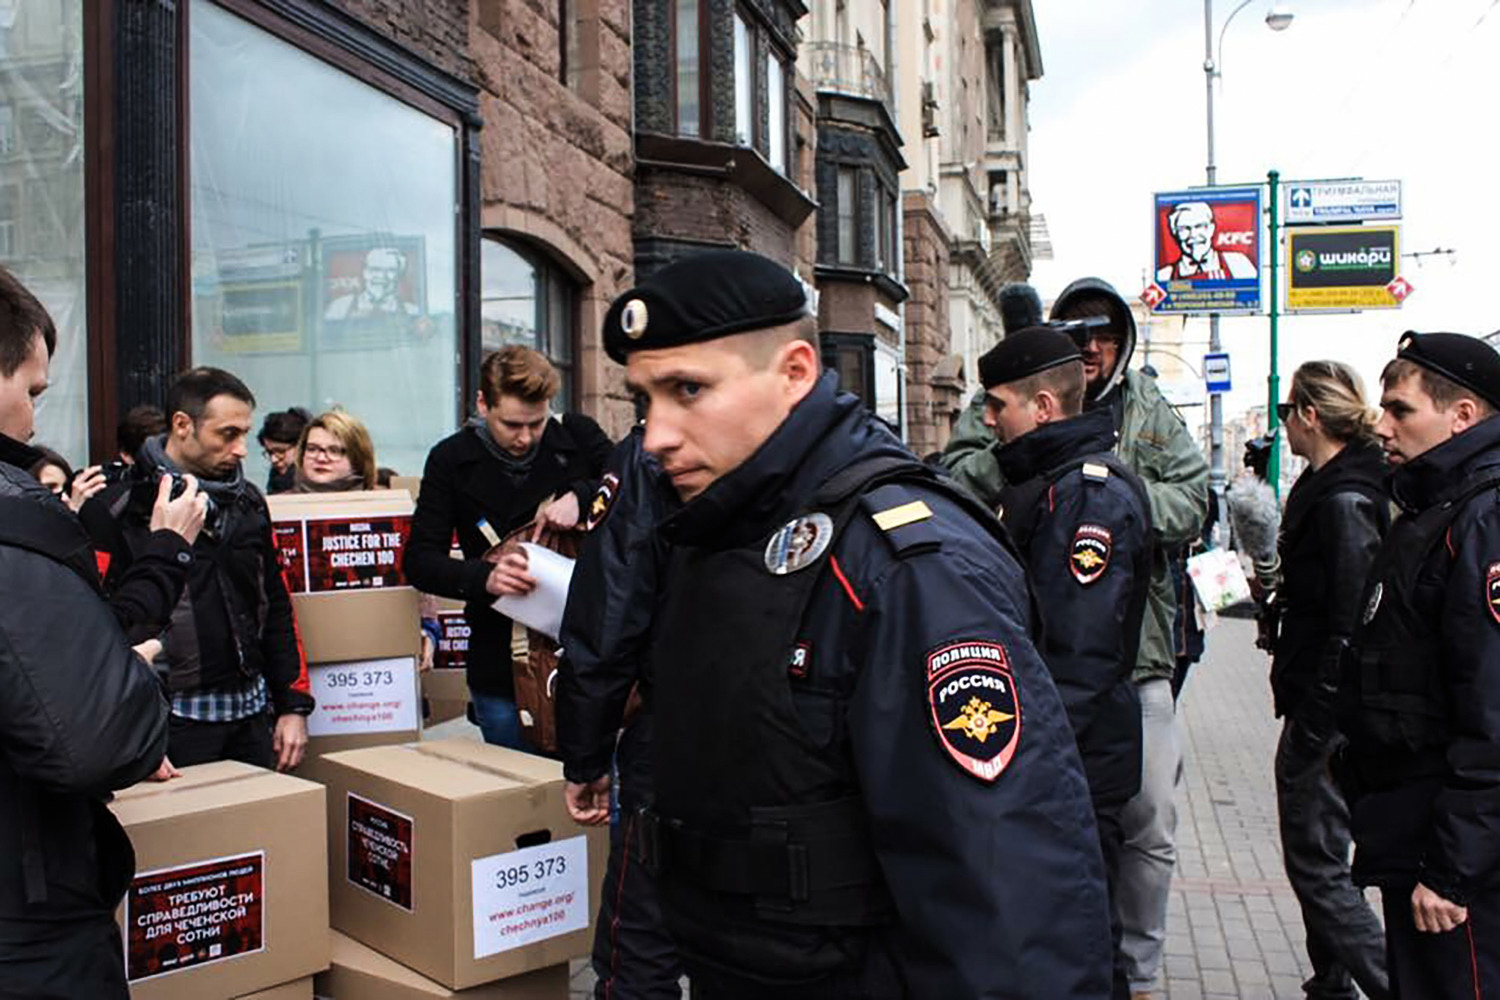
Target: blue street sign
{"x":1216,"y":371}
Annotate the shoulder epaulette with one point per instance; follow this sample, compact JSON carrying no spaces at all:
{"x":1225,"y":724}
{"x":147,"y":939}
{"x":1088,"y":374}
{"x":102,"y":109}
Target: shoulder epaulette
{"x":903,"y":517}
{"x":1095,"y":472}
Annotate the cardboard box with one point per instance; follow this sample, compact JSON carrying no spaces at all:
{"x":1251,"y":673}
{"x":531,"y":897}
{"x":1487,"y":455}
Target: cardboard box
{"x":361,"y":973}
{"x":230,"y":894}
{"x":356,"y":615}
{"x":459,"y":860}
{"x":300,"y":989}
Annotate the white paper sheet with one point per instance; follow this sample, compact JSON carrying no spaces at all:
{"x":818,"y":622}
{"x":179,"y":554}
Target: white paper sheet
{"x":542,"y":609}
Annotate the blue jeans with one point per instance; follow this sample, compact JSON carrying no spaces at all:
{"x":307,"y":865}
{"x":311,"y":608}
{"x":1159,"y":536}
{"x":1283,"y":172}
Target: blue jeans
{"x":498,"y":720}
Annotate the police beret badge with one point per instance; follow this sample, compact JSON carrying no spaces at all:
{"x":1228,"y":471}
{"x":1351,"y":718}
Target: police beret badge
{"x":1089,"y":556}
{"x":975,"y":706}
{"x":1492,"y":590}
{"x":633,"y":319}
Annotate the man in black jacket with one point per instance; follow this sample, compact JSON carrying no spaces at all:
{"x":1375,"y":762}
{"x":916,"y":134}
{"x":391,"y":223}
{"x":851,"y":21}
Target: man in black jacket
{"x":80,"y":713}
{"x":231,"y":651}
{"x":1082,"y":522}
{"x":481,"y":484}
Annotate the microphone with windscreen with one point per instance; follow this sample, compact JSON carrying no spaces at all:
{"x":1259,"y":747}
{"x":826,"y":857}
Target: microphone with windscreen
{"x":1020,"y":307}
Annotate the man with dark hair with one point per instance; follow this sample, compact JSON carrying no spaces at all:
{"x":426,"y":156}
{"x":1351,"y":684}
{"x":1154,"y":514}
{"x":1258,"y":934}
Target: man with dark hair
{"x":278,"y":438}
{"x":846,"y":804}
{"x":511,"y":464}
{"x":1419,"y":700}
{"x":231,"y":654}
{"x":81,"y":714}
{"x":138,"y":424}
{"x":1082,"y":521}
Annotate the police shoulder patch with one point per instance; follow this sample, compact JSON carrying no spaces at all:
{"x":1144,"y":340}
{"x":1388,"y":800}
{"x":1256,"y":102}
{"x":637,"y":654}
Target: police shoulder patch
{"x":974,"y":706}
{"x":1088,"y":557}
{"x":603,"y":502}
{"x":1492,"y":590}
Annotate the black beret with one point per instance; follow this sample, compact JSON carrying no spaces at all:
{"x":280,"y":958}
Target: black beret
{"x":703,"y":297}
{"x":1458,"y":357}
{"x":1024,"y":353}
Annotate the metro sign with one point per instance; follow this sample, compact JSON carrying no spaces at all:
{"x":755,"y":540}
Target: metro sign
{"x":1399,"y":288}
{"x":1153,"y":295}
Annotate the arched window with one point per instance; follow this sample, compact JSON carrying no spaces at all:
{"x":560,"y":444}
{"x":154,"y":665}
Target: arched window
{"x":527,"y":299}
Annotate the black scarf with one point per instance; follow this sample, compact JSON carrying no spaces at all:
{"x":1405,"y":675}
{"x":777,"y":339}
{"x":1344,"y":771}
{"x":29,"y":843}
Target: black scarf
{"x":154,"y":462}
{"x":516,"y":467}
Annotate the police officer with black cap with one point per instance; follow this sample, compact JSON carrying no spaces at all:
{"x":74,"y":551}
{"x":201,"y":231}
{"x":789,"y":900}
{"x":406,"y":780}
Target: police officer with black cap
{"x":1082,"y":521}
{"x":1420,"y":699}
{"x":865,"y":781}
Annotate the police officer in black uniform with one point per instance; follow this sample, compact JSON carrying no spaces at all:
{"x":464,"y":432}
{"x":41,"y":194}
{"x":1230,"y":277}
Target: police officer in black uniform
{"x":606,"y":631}
{"x":1082,"y":521}
{"x":1420,"y":699}
{"x":865,"y":782}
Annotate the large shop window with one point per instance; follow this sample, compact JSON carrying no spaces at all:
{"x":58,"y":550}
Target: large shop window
{"x":526,"y":299}
{"x":323,"y":237}
{"x":42,"y":196}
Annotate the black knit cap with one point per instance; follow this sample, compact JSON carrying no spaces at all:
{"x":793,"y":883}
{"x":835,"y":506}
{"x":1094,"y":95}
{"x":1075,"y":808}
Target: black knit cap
{"x":1024,"y":353}
{"x":1457,"y":357}
{"x":703,"y":297}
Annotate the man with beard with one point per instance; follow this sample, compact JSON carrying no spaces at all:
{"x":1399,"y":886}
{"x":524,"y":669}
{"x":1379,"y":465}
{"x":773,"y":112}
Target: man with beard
{"x":1154,"y":443}
{"x":234,"y":663}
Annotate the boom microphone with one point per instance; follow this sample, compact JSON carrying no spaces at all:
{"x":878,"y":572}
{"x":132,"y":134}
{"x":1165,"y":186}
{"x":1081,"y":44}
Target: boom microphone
{"x":1020,"y":307}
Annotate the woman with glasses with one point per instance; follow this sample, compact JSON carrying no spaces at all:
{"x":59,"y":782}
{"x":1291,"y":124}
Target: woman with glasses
{"x":1335,"y":517}
{"x":278,"y":443}
{"x":334,"y":455}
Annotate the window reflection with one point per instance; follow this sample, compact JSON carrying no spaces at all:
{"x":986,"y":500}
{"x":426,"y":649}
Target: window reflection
{"x":527,"y":299}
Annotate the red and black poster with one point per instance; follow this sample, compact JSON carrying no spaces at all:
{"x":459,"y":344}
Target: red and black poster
{"x":453,"y":641}
{"x":179,"y":918}
{"x":379,"y":855}
{"x":356,"y":553}
{"x":287,"y":536}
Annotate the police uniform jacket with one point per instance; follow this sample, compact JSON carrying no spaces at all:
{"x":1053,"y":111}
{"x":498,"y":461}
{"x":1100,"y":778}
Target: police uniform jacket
{"x":1083,"y":524}
{"x":883,"y":669}
{"x":1420,"y":697}
{"x":607,"y":623}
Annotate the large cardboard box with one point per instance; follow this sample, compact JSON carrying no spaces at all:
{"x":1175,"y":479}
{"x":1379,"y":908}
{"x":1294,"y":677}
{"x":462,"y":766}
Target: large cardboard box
{"x":356,"y":615}
{"x":230,"y":894}
{"x":459,"y":859}
{"x":300,"y":989}
{"x":360,"y":973}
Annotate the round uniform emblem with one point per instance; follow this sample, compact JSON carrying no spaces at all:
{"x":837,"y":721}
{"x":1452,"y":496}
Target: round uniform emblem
{"x":799,"y":543}
{"x":633,"y":319}
{"x":1374,"y":604}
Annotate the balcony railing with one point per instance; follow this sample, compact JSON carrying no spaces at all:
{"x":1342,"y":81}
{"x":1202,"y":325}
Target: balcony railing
{"x":850,"y":70}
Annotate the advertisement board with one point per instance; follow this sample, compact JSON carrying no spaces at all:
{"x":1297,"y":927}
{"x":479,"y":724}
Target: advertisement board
{"x":1310,"y":202}
{"x":1207,"y":251}
{"x":1342,"y":268}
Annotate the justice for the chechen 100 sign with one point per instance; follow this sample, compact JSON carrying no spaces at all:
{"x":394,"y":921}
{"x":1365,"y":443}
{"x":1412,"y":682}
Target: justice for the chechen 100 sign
{"x":1207,"y":251}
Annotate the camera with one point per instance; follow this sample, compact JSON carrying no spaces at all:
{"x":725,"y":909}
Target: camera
{"x":213,"y":516}
{"x":115,"y":472}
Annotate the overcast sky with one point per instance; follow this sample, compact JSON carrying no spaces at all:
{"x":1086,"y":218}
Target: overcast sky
{"x":1380,"y":89}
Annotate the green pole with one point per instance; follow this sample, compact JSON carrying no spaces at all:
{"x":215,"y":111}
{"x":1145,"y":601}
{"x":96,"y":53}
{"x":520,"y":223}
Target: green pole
{"x":1273,"y":469}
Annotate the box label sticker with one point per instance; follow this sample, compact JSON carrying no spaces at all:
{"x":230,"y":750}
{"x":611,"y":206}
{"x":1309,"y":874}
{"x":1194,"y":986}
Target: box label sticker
{"x":351,"y":553}
{"x":290,"y":547}
{"x":379,"y":854}
{"x":529,"y":895}
{"x":363,"y":696}
{"x":453,"y":641}
{"x":192,"y":915}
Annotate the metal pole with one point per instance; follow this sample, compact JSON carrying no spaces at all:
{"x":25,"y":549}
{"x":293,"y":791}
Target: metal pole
{"x":1216,"y":475}
{"x":1273,"y":382}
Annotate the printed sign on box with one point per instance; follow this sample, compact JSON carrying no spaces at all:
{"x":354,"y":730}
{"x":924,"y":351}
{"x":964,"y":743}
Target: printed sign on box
{"x":364,"y":696}
{"x":453,"y":641}
{"x":380,"y":845}
{"x":529,"y":895}
{"x":290,"y":552}
{"x":356,"y":553}
{"x":191,"y":915}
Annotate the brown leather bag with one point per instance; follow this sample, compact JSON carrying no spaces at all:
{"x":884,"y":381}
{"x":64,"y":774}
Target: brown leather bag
{"x":533,"y":655}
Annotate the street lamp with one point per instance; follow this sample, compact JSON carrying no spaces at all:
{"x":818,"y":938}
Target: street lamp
{"x":1277,"y":19}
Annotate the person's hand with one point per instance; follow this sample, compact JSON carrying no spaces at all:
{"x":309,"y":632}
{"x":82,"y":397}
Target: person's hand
{"x":148,"y":650}
{"x":429,"y":650}
{"x":588,"y":804}
{"x":85,"y":484}
{"x":166,"y":772}
{"x":1433,"y":914}
{"x":289,"y":742}
{"x":509,"y":577}
{"x":559,"y":515}
{"x":183,"y":515}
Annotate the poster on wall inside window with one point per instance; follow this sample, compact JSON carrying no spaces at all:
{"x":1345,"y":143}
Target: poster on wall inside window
{"x":251,"y":300}
{"x":373,"y":292}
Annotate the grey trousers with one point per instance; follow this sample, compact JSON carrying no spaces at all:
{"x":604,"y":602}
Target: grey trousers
{"x":1149,"y":853}
{"x":1345,"y":943}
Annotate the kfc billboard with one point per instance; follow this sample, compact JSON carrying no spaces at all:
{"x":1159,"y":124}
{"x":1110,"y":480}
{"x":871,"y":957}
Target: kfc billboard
{"x":1208,"y":251}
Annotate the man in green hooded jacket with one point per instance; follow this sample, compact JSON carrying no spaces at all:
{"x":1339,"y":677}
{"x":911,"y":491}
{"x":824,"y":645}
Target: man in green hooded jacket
{"x":1154,"y":442}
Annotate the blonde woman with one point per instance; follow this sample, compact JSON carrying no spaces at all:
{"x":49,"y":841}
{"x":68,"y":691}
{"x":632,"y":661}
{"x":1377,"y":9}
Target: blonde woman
{"x":1336,"y":515}
{"x":335,"y":455}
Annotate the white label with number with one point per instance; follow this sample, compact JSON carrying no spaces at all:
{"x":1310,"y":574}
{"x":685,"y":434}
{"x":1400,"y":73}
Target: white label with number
{"x":363,"y":696}
{"x":529,"y":895}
